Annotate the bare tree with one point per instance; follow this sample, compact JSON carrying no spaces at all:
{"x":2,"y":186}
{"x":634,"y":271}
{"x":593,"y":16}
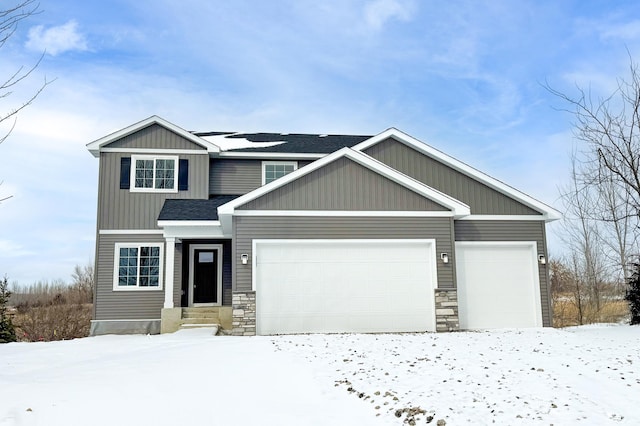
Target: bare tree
{"x":610,"y":129}
{"x":10,"y":18}
{"x":83,"y":282}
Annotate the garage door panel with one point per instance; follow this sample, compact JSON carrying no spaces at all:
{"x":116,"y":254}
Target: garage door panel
{"x":344,"y":286}
{"x":498,"y":285}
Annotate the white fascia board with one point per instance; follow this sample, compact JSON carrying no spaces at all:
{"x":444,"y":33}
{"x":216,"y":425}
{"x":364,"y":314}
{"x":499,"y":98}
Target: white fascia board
{"x":458,"y":208}
{"x":150,"y":151}
{"x":95,"y":146}
{"x":191,"y":223}
{"x":547,"y":211}
{"x":270,"y":155}
{"x":129,"y":231}
{"x":510,"y":217}
{"x":192,"y":229}
{"x":345,"y":213}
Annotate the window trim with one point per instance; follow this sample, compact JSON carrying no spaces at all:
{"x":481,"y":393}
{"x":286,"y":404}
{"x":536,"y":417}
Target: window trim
{"x":116,"y":267}
{"x":134,"y":159}
{"x":276,"y":163}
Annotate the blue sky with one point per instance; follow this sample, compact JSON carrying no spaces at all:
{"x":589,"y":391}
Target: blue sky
{"x":463,"y":76}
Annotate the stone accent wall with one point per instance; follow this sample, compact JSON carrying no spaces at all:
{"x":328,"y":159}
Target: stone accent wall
{"x":447,"y":310}
{"x":244,"y":313}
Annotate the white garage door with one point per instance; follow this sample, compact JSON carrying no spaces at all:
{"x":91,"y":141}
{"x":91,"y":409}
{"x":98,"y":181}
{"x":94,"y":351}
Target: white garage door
{"x":498,"y":285}
{"x":333,"y":286}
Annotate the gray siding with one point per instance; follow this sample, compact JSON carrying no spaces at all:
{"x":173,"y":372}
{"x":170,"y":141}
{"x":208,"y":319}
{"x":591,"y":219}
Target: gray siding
{"x":123,"y":209}
{"x":247,"y":228}
{"x":155,"y":137}
{"x":343,"y":185}
{"x":130,"y":304}
{"x":230,"y":177}
{"x":478,"y":196}
{"x":468,"y":230}
{"x":236,"y":176}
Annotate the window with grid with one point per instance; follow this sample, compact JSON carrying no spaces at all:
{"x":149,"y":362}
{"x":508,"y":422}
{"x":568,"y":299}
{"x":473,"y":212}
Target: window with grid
{"x":274,"y":170}
{"x":138,"y":266}
{"x":154,"y":173}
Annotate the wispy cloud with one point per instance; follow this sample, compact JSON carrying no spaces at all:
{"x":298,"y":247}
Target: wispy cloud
{"x":379,"y":12}
{"x":627,"y":31}
{"x":56,"y":40}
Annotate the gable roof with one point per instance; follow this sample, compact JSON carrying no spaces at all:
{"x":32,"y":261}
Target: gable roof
{"x":548,"y":212}
{"x":457,"y":208}
{"x":95,"y":146}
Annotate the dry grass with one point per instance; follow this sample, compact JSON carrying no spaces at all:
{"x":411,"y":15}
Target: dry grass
{"x":53,"y":322}
{"x":565,"y":312}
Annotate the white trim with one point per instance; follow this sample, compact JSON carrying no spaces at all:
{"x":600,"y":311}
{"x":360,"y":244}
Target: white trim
{"x":510,"y":217}
{"x":190,"y":223}
{"x":132,"y":178}
{"x":96,"y":146}
{"x":271,"y":155}
{"x":116,"y":264}
{"x":192,"y":249}
{"x":548,"y":212}
{"x":534,"y":259}
{"x":458,"y":208}
{"x":276,"y":163}
{"x":170,"y":261}
{"x":153,"y":151}
{"x":345,"y":213}
{"x":130,"y":231}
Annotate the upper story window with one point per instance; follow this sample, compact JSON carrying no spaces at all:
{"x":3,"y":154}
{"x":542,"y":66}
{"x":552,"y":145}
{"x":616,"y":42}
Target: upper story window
{"x":154,"y":173}
{"x":272,"y":170}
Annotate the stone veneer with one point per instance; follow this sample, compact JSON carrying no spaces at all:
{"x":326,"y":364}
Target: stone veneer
{"x":244,"y":313}
{"x":447,"y":310}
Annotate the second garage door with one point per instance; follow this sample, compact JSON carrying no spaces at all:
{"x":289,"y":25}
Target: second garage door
{"x":498,"y":285}
{"x":335,"y":286}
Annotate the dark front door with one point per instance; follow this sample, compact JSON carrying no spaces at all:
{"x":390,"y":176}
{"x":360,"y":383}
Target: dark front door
{"x":205,"y":276}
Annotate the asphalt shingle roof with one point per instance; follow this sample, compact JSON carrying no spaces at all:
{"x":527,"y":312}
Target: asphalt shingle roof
{"x":194,"y":209}
{"x":297,"y":143}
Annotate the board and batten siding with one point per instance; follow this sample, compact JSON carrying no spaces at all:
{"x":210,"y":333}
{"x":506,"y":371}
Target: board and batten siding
{"x":123,"y":209}
{"x":478,"y":196}
{"x":343,"y":185}
{"x":155,"y":137}
{"x":144,"y":304}
{"x":247,"y":228}
{"x":231,"y":176}
{"x":492,"y":230}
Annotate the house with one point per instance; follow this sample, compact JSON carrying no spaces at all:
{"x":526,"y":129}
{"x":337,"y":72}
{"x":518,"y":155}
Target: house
{"x":297,"y":233}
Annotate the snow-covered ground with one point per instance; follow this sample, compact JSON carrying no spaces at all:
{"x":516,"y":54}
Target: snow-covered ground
{"x":586,"y":375}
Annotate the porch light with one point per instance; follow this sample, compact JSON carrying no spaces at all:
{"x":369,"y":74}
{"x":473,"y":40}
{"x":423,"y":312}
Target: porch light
{"x":444,"y":257}
{"x":244,"y":258}
{"x":542,"y":259}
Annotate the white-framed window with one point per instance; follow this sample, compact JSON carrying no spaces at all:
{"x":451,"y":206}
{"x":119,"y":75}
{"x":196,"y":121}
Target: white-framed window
{"x":151,"y":173}
{"x":272,"y":170}
{"x":138,"y":266}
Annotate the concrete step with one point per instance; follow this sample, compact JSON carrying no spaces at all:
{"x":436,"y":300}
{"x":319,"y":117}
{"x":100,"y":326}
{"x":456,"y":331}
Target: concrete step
{"x":208,"y":312}
{"x":199,"y":315}
{"x":209,"y":321}
{"x":215,"y":328}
